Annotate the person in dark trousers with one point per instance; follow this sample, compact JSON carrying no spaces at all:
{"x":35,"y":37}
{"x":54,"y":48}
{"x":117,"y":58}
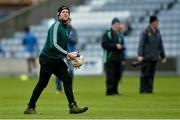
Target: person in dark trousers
{"x":113,"y":48}
{"x":71,"y":47}
{"x":149,"y":51}
{"x":31,"y":50}
{"x":53,"y":61}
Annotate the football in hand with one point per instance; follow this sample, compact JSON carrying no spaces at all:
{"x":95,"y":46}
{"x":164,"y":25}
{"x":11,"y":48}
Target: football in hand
{"x":78,"y":61}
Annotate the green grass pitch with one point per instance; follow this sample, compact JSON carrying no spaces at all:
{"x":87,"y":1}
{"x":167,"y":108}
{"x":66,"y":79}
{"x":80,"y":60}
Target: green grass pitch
{"x":90,"y":91}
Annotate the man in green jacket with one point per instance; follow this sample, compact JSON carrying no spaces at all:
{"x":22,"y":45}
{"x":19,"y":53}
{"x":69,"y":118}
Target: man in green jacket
{"x":53,"y":61}
{"x":114,"y":57}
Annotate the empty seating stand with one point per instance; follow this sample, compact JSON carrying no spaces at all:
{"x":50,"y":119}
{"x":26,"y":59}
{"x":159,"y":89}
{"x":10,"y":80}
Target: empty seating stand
{"x":95,"y":16}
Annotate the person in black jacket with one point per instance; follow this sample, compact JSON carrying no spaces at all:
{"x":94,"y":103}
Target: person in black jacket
{"x":113,"y":46}
{"x":149,"y":51}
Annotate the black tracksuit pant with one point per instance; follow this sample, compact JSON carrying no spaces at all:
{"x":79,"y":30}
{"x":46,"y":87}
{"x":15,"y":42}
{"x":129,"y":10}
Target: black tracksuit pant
{"x":113,"y":75}
{"x":147,"y":76}
{"x":58,"y":68}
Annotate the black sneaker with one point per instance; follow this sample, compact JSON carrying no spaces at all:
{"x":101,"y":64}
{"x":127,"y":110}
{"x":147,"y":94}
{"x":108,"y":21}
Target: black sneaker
{"x":30,"y":111}
{"x":74,"y":109}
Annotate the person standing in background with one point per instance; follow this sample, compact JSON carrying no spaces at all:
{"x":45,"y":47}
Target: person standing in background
{"x":31,"y":50}
{"x":113,"y":47}
{"x":122,"y":30}
{"x":149,"y":51}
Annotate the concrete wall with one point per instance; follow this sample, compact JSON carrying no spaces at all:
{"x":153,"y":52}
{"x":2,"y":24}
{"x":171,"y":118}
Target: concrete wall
{"x":32,"y":15}
{"x":19,"y":66}
{"x":170,"y":65}
{"x":14,"y":66}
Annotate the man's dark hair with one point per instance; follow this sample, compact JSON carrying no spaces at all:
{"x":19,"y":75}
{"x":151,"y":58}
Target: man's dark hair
{"x":153,"y":18}
{"x":62,"y":8}
{"x":26,"y":29}
{"x":115,"y":20}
